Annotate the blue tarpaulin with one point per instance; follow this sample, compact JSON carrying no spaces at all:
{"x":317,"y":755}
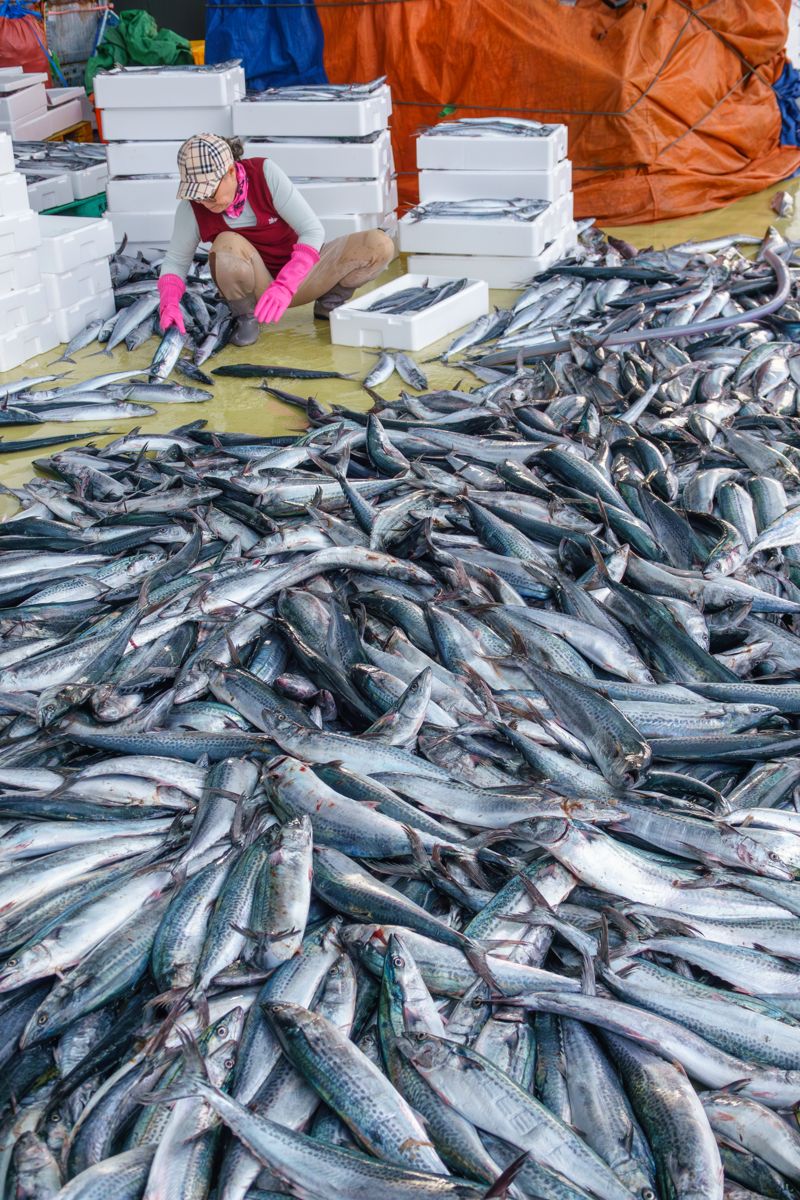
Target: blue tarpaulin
{"x":787,"y":93}
{"x":278,"y":44}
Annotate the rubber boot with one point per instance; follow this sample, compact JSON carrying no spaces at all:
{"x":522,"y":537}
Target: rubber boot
{"x":247,"y":328}
{"x":332,"y":299}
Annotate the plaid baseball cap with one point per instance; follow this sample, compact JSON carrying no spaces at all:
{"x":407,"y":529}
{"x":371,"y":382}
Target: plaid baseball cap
{"x":203,"y":160}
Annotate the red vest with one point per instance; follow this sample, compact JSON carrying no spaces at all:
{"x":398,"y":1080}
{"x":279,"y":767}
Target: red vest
{"x":272,"y":237}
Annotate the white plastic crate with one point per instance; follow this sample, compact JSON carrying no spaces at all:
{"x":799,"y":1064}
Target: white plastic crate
{"x":504,"y":236}
{"x":497,"y":272}
{"x":69,"y":242}
{"x":18,"y":233}
{"x":6,"y":154}
{"x":24,"y":307}
{"x":341,"y":226}
{"x":138,"y":193}
{"x":496,"y":185}
{"x":72,"y":320}
{"x":48,"y":191}
{"x":150,"y":228}
{"x":493,"y":152}
{"x":313,"y":118}
{"x":328,"y":157}
{"x":352,"y":326}
{"x":164,"y":124}
{"x":22,"y":104}
{"x":170,"y":87}
{"x":19,"y":271}
{"x":143,"y":158}
{"x":28,"y":341}
{"x":13,"y":194}
{"x":90,"y":279}
{"x":342,"y":197}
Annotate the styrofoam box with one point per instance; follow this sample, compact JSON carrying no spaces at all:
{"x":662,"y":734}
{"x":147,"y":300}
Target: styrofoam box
{"x":29,"y":341}
{"x":327,"y":157}
{"x":504,"y":237}
{"x":493,"y":152}
{"x":67,"y":115}
{"x":63,"y":95}
{"x":19,"y":271}
{"x":496,"y":185}
{"x":169,"y":87}
{"x":142,"y":192}
{"x":19,"y":232}
{"x":6,"y":154}
{"x":341,"y":226}
{"x":89,"y":181}
{"x":352,"y":326}
{"x":164,"y":124}
{"x":34,"y":129}
{"x":82,"y":283}
{"x":13,"y":79}
{"x":21,"y":105}
{"x":348,"y":195}
{"x":13,"y":194}
{"x":49,"y":191}
{"x":497,"y":272}
{"x":143,"y":158}
{"x":68,"y":242}
{"x":24,"y":307}
{"x":313,"y":118}
{"x":152,"y":228}
{"x":72,"y":320}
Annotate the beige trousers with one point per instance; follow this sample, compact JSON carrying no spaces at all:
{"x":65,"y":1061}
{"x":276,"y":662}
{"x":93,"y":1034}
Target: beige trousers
{"x":344,"y":265}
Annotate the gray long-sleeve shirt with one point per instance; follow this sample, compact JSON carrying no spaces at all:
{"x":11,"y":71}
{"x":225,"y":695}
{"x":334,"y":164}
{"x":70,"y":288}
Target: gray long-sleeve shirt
{"x":289,"y":205}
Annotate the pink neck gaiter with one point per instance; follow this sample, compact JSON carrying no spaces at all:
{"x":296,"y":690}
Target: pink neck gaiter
{"x":239,"y":200}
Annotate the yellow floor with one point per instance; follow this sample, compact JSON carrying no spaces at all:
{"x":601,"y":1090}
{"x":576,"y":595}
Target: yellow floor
{"x":303,"y":342}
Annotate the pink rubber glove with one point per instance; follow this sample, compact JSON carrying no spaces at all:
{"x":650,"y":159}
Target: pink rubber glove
{"x":280,"y":293}
{"x":171,"y":289}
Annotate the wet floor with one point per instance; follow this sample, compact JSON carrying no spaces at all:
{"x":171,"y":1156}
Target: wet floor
{"x":301,"y":341}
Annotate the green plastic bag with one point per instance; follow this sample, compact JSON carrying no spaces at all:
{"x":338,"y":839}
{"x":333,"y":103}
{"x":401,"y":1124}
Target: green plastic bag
{"x":138,"y":40}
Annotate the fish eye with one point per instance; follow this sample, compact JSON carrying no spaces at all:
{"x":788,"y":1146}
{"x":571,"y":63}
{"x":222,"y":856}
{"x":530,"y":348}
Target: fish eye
{"x":11,"y":962}
{"x":477,"y":1002}
{"x":55,"y":1117}
{"x":398,"y":961}
{"x":222,"y":1031}
{"x":42,"y":1018}
{"x":229,"y":1063}
{"x":648,"y":1194}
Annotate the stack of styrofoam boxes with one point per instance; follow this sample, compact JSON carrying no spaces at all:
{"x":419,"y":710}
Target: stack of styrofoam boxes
{"x":337,"y":152}
{"x":147,"y":112}
{"x":29,"y":111}
{"x":23,"y":104}
{"x":73,"y":259}
{"x":60,"y":172}
{"x":26,"y":328}
{"x":487,"y":164}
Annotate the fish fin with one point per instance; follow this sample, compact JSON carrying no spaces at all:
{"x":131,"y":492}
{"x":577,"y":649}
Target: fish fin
{"x":505,"y":1180}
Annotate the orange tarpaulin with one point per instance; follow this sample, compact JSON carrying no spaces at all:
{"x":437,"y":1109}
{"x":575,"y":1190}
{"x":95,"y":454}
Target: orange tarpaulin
{"x":669,"y":103}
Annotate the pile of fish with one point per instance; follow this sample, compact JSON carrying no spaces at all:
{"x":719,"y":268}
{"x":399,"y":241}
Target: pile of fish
{"x":334,"y":92}
{"x":409,"y":809}
{"x":480,"y":210}
{"x":417,"y":299}
{"x":494,"y":126}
